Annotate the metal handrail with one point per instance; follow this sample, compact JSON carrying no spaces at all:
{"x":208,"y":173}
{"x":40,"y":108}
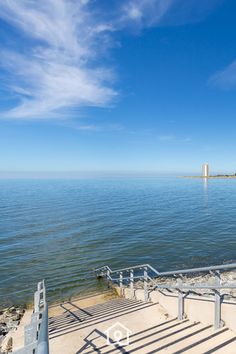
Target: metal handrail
{"x":36,"y":338}
{"x":173,"y":272}
{"x":152,"y":282}
{"x":199,"y":270}
{"x":43,"y":342}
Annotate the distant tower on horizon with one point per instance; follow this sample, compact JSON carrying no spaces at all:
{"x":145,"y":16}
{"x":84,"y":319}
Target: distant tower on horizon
{"x":205,"y":170}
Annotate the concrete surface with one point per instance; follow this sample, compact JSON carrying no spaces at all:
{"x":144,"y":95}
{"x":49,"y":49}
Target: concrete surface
{"x":196,"y":308}
{"x":84,"y":330}
{"x":68,"y":331}
{"x":85,"y":325}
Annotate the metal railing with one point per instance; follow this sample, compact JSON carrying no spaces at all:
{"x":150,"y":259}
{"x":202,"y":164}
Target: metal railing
{"x":153,"y":279}
{"x":36,"y":333}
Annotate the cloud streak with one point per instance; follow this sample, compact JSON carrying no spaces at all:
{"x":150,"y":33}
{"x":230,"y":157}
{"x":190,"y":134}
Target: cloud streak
{"x":55,"y":72}
{"x":58,"y":70}
{"x":149,"y":13}
{"x":226,"y":78}
{"x":144,"y":13}
{"x":173,"y":138}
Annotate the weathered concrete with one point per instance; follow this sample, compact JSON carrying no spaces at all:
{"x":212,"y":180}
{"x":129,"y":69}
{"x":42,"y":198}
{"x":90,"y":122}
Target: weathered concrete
{"x":80,"y":325}
{"x":69,"y":330}
{"x":196,"y":308}
{"x":18,"y":335}
{"x":153,"y":330}
{"x":82,"y":302}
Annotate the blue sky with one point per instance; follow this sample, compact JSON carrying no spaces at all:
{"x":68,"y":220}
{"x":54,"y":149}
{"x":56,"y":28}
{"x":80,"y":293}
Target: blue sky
{"x":138,"y":86}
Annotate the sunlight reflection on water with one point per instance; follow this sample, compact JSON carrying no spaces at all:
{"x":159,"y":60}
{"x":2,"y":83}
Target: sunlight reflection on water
{"x":61,"y":229}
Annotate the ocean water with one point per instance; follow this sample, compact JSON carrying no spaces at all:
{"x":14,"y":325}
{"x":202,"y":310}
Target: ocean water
{"x":60,"y":230}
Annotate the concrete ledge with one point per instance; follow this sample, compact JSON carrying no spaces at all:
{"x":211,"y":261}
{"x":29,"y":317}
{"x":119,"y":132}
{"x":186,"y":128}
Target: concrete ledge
{"x":196,"y":307}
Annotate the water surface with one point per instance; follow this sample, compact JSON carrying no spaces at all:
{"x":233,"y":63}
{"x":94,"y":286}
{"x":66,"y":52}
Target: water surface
{"x":61,"y":229}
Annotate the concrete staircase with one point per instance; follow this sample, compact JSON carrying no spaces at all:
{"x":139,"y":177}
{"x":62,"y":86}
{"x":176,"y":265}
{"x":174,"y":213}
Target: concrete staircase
{"x":81,"y":327}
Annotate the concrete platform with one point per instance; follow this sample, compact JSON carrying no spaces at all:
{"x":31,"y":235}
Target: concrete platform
{"x":93,"y":324}
{"x":76,"y":329}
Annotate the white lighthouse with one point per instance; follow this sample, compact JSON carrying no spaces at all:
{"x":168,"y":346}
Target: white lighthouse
{"x":205,"y":170}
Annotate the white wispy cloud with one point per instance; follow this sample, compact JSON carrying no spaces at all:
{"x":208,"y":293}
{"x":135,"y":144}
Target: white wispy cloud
{"x":57,"y":69}
{"x":144,"y":12}
{"x":55,"y":72}
{"x":148,"y":13}
{"x":226,"y":78}
{"x":169,"y":137}
{"x":174,"y":138}
{"x":75,"y":125}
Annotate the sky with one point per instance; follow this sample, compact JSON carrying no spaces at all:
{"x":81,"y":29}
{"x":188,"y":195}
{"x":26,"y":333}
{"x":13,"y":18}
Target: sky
{"x":117,"y":86}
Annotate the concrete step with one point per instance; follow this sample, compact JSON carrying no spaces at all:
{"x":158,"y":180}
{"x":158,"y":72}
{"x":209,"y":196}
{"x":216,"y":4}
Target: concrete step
{"x":210,"y":342}
{"x":187,"y":338}
{"x":227,"y":347}
{"x":83,"y":330}
{"x":73,"y":312}
{"x":136,"y":339}
{"x":160,"y":341}
{"x":170,"y":337}
{"x":169,"y":340}
{"x":112,"y":310}
{"x":153,"y":339}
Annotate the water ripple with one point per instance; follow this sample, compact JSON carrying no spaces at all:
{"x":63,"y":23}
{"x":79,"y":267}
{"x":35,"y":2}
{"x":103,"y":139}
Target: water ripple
{"x":61,"y":230}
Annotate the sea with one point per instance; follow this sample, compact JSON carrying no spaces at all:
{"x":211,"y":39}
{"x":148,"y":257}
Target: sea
{"x":60,"y":230}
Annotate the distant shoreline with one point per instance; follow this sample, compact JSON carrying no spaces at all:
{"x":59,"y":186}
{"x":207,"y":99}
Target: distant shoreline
{"x":211,"y":177}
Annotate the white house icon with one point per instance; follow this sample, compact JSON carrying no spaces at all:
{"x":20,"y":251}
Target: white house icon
{"x":118,"y":334}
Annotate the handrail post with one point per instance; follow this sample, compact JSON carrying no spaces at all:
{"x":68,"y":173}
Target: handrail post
{"x":36,"y":301}
{"x":217,"y":320}
{"x":42,"y":294}
{"x":132,"y":282}
{"x":121,"y":283}
{"x":36,"y":336}
{"x":108,"y":278}
{"x":180,"y":300}
{"x":43,"y":341}
{"x":145,"y":285}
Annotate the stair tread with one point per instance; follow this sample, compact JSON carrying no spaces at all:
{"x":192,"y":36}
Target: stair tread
{"x":55,"y":328}
{"x":229,"y":347}
{"x":151,"y":333}
{"x":192,"y":336}
{"x":139,"y":337}
{"x":148,"y":339}
{"x":168,"y":341}
{"x":161,"y":339}
{"x":84,"y":313}
{"x":214,"y":339}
